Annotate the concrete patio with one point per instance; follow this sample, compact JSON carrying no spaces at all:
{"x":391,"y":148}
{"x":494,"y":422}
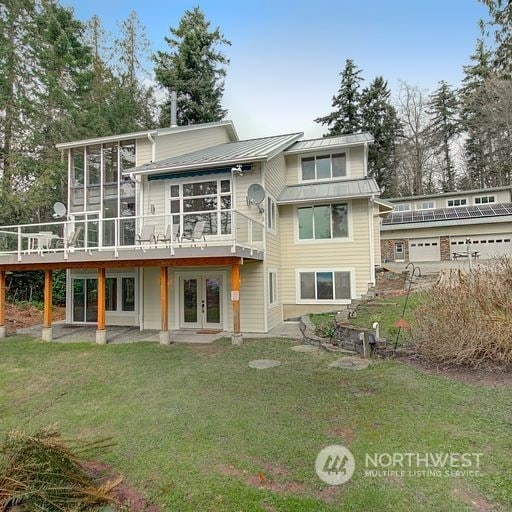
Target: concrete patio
{"x":65,"y":333}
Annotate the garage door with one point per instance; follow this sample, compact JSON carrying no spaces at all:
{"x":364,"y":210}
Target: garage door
{"x":487,"y":246}
{"x":424,"y":249}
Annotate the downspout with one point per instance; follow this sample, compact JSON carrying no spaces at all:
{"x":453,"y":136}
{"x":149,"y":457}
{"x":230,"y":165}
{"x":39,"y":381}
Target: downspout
{"x":153,"y":147}
{"x":372,"y":239}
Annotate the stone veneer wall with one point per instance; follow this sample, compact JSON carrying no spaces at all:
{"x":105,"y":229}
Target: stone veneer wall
{"x":387,"y":248}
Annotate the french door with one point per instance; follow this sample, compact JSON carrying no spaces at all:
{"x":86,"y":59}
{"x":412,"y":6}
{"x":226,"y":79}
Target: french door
{"x":85,"y":300}
{"x":201,"y":301}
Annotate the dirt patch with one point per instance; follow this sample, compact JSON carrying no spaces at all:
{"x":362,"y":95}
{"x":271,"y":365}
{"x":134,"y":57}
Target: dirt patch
{"x":475,"y":501}
{"x":492,"y":376}
{"x":19,"y":317}
{"x":344,"y":431}
{"x":126,"y":497}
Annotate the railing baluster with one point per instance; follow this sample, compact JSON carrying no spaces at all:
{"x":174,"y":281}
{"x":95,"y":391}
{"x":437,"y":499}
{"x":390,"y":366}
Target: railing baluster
{"x":19,"y":243}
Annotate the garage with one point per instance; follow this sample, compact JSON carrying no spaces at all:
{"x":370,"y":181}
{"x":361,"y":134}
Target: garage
{"x":424,"y":249}
{"x":487,"y":246}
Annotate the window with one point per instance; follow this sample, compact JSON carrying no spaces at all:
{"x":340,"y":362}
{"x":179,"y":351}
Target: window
{"x":208,"y":201}
{"x":128,"y":294}
{"x":324,"y":285}
{"x":457,"y":202}
{"x":324,"y":167}
{"x":323,"y":222}
{"x":111,"y":294}
{"x":272,"y":287}
{"x":484,"y":199}
{"x":271,"y":214}
{"x":403,"y":207}
{"x":426,"y":205}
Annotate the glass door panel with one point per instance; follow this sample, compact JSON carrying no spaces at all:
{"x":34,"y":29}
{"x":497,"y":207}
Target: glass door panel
{"x":190,"y":298}
{"x":85,"y":300}
{"x":212,"y":302}
{"x":78,"y":300}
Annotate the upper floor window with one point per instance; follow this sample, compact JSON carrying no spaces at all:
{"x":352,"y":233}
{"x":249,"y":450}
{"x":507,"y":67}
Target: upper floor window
{"x":403,"y":207}
{"x":323,"y":222}
{"x":271,"y":214}
{"x":457,"y":202}
{"x":324,"y":167}
{"x":426,"y":205}
{"x":485,"y":199}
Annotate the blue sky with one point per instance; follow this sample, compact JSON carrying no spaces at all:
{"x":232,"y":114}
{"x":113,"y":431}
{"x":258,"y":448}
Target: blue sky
{"x":286,"y":55}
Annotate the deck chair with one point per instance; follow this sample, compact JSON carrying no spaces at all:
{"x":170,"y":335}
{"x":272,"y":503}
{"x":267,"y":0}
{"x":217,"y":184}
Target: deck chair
{"x":72,"y":239}
{"x":172,"y":234}
{"x":197,"y":233}
{"x":147,"y":234}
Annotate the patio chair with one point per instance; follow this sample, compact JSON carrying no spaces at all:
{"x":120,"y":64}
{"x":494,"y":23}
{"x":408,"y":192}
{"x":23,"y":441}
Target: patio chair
{"x":197,"y":233}
{"x":147,"y":234}
{"x":172,"y":234}
{"x":72,"y":239}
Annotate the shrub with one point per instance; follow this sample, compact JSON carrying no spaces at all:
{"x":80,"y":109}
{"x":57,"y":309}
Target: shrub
{"x":42,"y":472}
{"x":466,"y":318}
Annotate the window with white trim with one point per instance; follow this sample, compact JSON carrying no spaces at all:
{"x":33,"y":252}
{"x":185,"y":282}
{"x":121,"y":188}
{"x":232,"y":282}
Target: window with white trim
{"x":426,"y":205}
{"x":324,"y":286}
{"x":452,"y":203}
{"x":403,"y":207}
{"x":323,"y":222}
{"x":271,"y":214}
{"x":272,"y":287}
{"x":324,"y":167}
{"x":485,"y":199}
{"x":209,"y":201}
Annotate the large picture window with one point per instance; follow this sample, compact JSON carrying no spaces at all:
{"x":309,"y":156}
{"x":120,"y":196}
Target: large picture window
{"x":323,"y":222}
{"x":324,"y":285}
{"x":208,"y":201}
{"x":324,"y":167}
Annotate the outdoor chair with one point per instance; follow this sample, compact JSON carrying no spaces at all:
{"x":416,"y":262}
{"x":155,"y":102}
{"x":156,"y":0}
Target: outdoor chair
{"x":197,"y":233}
{"x":72,"y":239}
{"x":172,"y":234}
{"x":147,"y":235}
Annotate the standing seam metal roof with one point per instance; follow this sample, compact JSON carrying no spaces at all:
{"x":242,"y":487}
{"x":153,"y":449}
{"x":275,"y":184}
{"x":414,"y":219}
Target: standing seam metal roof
{"x":329,"y":142}
{"x":362,"y":187}
{"x":230,"y":152}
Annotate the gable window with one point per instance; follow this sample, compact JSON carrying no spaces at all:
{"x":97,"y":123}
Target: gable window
{"x":324,"y":285}
{"x":324,"y":167}
{"x":272,"y":287}
{"x":484,"y":199}
{"x":271,"y":214}
{"x":426,"y":205}
{"x":457,"y":202}
{"x":323,"y":222}
{"x":403,"y":207}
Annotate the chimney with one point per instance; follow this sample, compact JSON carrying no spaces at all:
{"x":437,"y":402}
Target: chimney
{"x":174,"y":102}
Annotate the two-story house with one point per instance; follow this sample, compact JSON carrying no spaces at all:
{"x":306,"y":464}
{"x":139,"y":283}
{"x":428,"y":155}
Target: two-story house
{"x":189,"y":227}
{"x":451,"y":225}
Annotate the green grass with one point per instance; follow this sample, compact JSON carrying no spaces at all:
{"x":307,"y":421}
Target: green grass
{"x":194,"y":426}
{"x":387,"y":311}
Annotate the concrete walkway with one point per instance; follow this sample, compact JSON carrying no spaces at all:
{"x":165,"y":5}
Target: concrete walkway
{"x":64,"y":333}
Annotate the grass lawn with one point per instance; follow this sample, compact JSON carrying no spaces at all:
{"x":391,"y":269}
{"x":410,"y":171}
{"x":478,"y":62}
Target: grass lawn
{"x":198,"y":430}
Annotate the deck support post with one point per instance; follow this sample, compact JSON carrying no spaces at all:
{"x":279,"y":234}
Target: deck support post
{"x":3,"y":329}
{"x":164,"y":306}
{"x":101,"y":333}
{"x":236,"y":337}
{"x":47,"y":333}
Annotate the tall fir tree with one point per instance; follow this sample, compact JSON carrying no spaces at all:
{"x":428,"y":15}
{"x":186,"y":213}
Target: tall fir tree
{"x":445,"y":127}
{"x":379,"y":117}
{"x":194,"y":67}
{"x":499,"y":25}
{"x":346,"y":115}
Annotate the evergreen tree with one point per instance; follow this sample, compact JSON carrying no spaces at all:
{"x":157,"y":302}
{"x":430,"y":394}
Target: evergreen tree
{"x":379,"y":117}
{"x":346,"y":116}
{"x":194,"y":68}
{"x":500,"y":23}
{"x":445,"y":127}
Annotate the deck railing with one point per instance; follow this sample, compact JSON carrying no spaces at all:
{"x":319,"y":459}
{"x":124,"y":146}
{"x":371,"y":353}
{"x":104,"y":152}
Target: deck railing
{"x":88,"y":233}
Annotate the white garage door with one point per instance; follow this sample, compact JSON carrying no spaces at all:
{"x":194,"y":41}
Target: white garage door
{"x":487,"y":246}
{"x":424,"y":249}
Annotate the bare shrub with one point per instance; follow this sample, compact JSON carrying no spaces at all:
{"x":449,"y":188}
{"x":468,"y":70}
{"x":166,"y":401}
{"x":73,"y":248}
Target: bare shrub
{"x":466,"y":318}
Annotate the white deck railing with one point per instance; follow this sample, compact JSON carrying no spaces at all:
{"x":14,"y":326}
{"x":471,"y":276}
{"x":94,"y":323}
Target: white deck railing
{"x":220,"y":228}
